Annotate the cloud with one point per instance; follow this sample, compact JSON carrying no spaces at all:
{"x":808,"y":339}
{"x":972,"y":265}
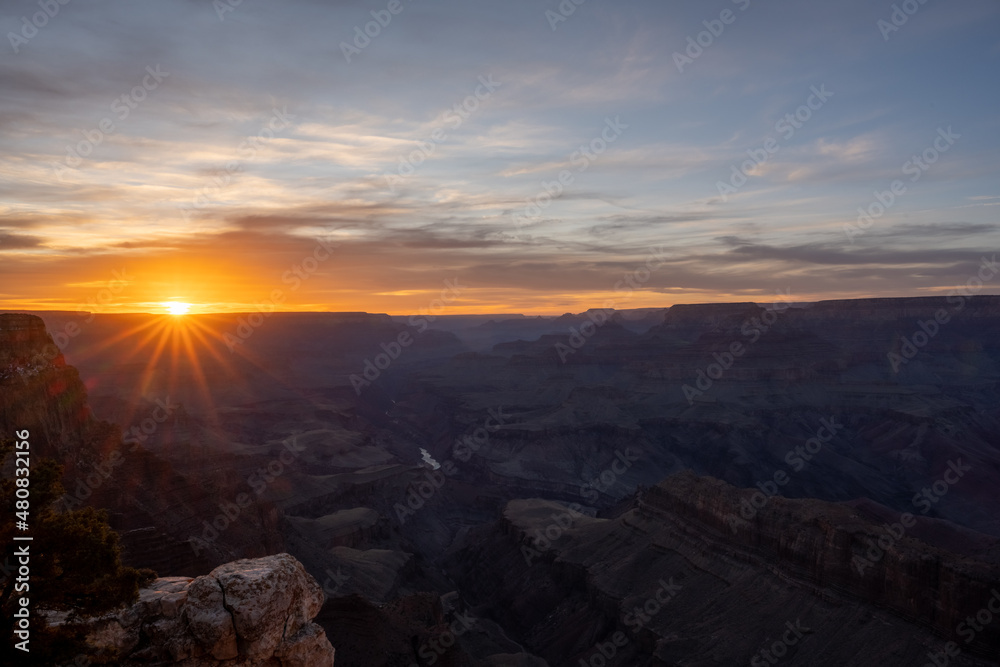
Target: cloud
{"x":159,"y":191}
{"x":939,"y":230}
{"x":18,"y":241}
{"x":834,"y":254}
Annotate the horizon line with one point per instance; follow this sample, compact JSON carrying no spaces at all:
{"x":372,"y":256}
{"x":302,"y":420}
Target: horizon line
{"x":528,"y":314}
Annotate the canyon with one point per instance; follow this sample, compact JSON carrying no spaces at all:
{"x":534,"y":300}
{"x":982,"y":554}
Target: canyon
{"x":511,"y":490}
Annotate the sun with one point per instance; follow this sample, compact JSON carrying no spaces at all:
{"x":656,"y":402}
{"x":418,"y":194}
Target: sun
{"x":176,"y":308}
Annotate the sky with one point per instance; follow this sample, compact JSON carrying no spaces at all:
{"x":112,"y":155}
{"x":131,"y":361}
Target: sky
{"x":534,"y":157}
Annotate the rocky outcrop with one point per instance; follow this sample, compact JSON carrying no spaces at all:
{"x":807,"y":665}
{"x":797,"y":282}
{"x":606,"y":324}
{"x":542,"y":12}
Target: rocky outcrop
{"x":252,"y":613}
{"x":692,"y":574}
{"x":834,"y":547}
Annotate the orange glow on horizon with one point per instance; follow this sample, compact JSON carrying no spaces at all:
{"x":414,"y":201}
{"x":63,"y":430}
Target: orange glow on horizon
{"x":471,"y":302}
{"x":491,"y":303}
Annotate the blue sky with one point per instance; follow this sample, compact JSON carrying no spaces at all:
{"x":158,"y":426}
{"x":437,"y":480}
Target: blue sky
{"x":258,"y":136}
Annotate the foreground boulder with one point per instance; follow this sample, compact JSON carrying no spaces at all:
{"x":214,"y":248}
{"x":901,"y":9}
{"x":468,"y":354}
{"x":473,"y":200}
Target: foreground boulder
{"x":250,"y":613}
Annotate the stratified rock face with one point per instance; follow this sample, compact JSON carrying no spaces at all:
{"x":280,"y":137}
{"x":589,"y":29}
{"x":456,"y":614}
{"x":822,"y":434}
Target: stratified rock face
{"x":832,"y":546}
{"x":249,"y":613}
{"x":697,"y":572}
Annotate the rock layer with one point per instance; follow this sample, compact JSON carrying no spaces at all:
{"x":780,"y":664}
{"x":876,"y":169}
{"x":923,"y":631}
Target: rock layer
{"x":668,"y":581}
{"x":832,"y":546}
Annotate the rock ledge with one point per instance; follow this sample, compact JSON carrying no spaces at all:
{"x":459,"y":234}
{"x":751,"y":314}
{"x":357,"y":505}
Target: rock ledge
{"x":252,"y":613}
